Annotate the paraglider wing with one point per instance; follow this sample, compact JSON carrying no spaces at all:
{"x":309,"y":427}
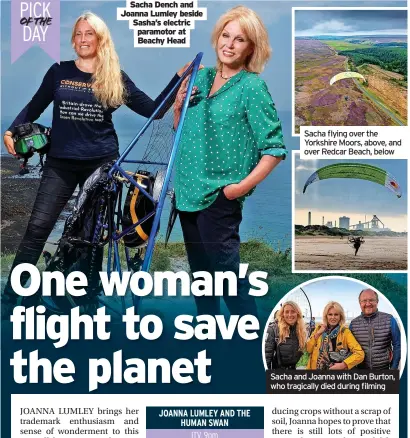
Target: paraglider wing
{"x":312,"y":178}
{"x":346,"y":75}
{"x":392,"y":184}
{"x":356,"y":171}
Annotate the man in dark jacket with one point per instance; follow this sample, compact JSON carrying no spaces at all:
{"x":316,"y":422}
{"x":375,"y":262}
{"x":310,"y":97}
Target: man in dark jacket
{"x":377,"y":333}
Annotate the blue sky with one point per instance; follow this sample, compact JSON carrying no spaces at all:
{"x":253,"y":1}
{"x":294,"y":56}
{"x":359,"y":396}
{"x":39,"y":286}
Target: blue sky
{"x":151,"y":68}
{"x":333,"y":198}
{"x":343,"y":290}
{"x":350,"y":22}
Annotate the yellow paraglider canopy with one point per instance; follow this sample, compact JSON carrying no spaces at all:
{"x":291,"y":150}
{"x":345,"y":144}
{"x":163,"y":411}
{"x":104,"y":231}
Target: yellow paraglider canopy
{"x":346,"y":75}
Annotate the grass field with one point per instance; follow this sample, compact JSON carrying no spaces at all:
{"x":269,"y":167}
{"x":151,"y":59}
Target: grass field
{"x":383,"y":102}
{"x":345,"y":45}
{"x":400,"y":50}
{"x":261,"y":257}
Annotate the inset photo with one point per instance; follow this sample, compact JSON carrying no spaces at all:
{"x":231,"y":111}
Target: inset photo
{"x":349,"y":215}
{"x":350,"y":67}
{"x":334,"y":323}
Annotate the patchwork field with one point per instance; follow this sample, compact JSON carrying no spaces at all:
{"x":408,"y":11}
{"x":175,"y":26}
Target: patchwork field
{"x":345,"y":45}
{"x":381,"y":101}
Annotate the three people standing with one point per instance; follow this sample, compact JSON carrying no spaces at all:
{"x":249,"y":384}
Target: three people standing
{"x":372,"y":341}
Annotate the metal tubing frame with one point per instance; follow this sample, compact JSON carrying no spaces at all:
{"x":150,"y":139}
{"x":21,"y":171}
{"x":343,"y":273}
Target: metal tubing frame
{"x":151,"y":241}
{"x":195,"y":65}
{"x":113,"y":249}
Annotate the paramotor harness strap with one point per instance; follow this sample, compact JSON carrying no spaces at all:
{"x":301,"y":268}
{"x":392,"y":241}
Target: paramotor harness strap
{"x":133,"y":205}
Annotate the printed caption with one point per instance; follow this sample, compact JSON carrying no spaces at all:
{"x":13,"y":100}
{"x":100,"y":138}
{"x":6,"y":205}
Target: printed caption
{"x":337,"y":382}
{"x":161,"y":24}
{"x":351,"y":419}
{"x":353,"y":142}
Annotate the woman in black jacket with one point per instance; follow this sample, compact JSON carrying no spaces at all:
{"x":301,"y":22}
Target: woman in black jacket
{"x":285,"y":338}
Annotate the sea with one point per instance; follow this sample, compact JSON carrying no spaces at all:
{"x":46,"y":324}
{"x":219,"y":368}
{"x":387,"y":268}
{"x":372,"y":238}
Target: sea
{"x":266,"y":213}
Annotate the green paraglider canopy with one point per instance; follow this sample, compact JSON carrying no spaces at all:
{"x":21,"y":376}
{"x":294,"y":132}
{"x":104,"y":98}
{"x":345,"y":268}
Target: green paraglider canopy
{"x":346,"y":75}
{"x":356,"y":171}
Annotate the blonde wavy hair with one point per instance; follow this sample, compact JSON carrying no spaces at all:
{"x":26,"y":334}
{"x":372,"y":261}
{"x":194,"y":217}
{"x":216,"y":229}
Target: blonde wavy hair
{"x":338,"y":308}
{"x":107,"y":80}
{"x":284,"y":328}
{"x":254,"y":29}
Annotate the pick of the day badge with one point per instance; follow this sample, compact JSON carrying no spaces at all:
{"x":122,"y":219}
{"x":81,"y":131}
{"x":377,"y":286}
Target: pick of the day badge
{"x":35,"y":23}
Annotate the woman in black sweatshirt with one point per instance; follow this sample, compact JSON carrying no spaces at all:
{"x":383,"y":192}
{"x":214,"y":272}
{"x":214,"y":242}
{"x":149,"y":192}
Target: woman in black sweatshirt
{"x":85,"y":93}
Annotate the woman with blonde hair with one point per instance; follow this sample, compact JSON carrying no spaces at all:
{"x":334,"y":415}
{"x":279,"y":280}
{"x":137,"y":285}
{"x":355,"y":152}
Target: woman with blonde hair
{"x":232,"y":139}
{"x":85,"y":93}
{"x":285,"y":338}
{"x":332,"y":345}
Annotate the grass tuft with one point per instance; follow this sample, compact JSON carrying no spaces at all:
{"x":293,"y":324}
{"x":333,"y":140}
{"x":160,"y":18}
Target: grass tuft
{"x":261,"y":257}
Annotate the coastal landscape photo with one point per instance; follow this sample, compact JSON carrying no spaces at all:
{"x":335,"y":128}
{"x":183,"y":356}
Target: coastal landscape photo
{"x":350,"y":215}
{"x":350,"y":67}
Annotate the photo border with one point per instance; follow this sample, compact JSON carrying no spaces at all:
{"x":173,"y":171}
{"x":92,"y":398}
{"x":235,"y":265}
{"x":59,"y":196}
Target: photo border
{"x":337,"y":8}
{"x":337,"y":271}
{"x":404,"y":349}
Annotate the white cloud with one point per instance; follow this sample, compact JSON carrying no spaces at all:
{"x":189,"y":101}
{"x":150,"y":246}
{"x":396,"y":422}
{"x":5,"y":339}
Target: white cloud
{"x":305,"y":166}
{"x":337,"y":27}
{"x":331,"y":26}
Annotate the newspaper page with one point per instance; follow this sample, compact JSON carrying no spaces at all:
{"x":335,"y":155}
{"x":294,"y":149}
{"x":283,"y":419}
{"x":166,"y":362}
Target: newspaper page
{"x":204,"y":215}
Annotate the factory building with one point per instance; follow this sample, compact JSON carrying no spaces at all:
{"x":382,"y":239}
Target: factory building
{"x":375,"y":225}
{"x":344,"y":222}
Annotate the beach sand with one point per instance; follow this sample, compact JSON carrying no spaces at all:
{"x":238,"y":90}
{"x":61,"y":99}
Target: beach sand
{"x":332,"y":253}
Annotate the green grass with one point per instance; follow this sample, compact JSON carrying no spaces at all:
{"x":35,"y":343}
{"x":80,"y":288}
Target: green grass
{"x":6,"y":172}
{"x":7,"y":259}
{"x":176,"y":249}
{"x":340,"y":46}
{"x":259,"y":255}
{"x":401,"y":50}
{"x":161,"y":259}
{"x":262,"y":257}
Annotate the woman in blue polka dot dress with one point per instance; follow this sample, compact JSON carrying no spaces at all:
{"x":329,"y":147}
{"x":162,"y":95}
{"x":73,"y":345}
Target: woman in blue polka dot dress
{"x":232,"y":139}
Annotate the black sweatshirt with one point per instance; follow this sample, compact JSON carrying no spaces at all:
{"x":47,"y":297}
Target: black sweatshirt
{"x":82,"y":129}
